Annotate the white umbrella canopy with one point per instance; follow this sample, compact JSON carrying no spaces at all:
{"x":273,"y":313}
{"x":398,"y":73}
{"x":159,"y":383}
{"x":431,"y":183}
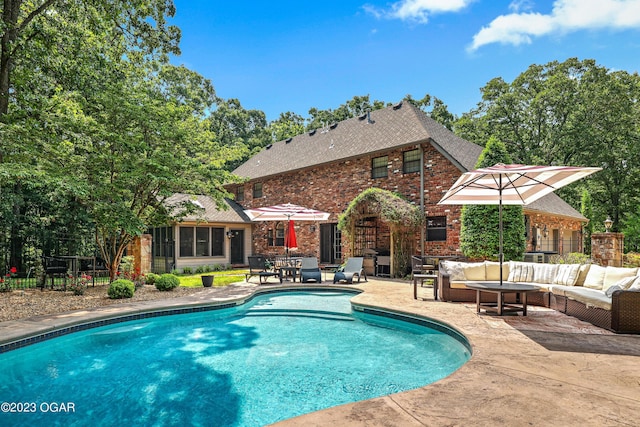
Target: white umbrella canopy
{"x":286,"y":212}
{"x":511,"y":185}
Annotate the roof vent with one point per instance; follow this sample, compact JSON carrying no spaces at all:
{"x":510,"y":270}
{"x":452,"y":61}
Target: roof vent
{"x":362,"y":117}
{"x":369,"y":120}
{"x":397,"y":106}
{"x":288,"y":140}
{"x":333,"y":126}
{"x":269,"y":146}
{"x":313,"y":132}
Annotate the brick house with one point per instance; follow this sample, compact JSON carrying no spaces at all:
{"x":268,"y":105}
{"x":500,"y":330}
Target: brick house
{"x":399,"y":149}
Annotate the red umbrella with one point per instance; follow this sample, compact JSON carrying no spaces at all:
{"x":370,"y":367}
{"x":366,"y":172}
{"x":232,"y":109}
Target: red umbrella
{"x":290,"y":240}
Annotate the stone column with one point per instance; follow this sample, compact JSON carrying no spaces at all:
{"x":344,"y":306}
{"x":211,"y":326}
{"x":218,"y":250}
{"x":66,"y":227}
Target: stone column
{"x":607,"y":249}
{"x":140,"y":248}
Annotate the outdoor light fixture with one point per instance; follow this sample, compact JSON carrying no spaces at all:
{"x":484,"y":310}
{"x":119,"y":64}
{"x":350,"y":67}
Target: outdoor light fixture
{"x":545,"y":231}
{"x":607,"y":224}
{"x":230,"y":234}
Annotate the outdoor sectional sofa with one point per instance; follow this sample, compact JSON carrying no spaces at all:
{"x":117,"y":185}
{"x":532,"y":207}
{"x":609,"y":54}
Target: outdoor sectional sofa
{"x":608,"y":297}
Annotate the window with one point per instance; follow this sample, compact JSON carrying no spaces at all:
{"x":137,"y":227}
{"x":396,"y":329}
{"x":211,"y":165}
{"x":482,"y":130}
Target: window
{"x":202,"y":241}
{"x":240,"y":193}
{"x":379,"y":167}
{"x":186,"y":241}
{"x":411,"y":161}
{"x":276,"y":237}
{"x":257,"y":190}
{"x":217,"y":241}
{"x":436,"y":228}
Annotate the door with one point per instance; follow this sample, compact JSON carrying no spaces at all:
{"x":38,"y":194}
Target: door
{"x":236,"y":255}
{"x":330,"y":244}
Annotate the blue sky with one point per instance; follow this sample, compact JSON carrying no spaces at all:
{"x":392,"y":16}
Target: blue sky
{"x":279,"y":56}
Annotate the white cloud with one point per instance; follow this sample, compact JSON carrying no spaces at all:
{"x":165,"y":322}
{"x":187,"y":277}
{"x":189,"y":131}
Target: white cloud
{"x":566,"y":16}
{"x":417,"y":10}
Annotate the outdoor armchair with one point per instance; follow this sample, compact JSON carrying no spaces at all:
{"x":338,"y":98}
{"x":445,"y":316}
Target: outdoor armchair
{"x":352,"y":268}
{"x":309,"y":270}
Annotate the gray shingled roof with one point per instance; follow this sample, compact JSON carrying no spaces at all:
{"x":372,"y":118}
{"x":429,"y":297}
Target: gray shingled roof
{"x":209,"y":212}
{"x":388,"y":128}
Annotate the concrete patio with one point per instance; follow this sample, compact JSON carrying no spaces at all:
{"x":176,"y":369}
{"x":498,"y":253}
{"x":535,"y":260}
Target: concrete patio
{"x":545,"y":369}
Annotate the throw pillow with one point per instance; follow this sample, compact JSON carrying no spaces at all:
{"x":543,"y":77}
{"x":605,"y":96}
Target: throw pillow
{"x":544,"y":273}
{"x":454,"y":269}
{"x":635,"y":286}
{"x":493,"y":270}
{"x":613,"y":274}
{"x":595,"y":277}
{"x":520,"y":271}
{"x":566,"y":274}
{"x":474,"y":271}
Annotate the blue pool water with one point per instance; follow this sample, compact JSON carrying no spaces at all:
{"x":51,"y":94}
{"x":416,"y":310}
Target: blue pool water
{"x":276,"y":357}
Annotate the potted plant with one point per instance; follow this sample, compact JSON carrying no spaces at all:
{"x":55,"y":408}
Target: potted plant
{"x":207,"y":281}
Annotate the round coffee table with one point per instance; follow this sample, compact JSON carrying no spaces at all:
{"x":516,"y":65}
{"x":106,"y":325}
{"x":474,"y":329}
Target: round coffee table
{"x":499,"y":289}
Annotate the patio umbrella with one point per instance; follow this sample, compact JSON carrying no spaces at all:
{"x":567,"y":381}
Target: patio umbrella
{"x":290,"y":240}
{"x":287,"y":212}
{"x":511,"y":185}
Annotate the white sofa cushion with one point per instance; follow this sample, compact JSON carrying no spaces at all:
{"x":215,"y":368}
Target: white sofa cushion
{"x":544,"y":273}
{"x":566,"y":274}
{"x":595,"y":277}
{"x":493,"y":270}
{"x":612,"y":275}
{"x":520,"y":271}
{"x":474,"y":271}
{"x":589,"y":297}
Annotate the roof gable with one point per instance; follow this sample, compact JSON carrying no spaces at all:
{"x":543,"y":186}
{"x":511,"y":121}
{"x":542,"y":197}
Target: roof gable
{"x":381,"y":130}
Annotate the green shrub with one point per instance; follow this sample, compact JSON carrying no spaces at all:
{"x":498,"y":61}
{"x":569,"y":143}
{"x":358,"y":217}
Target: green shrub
{"x":150,"y":278}
{"x":121,"y":288}
{"x":167,"y":282}
{"x":200,"y":269}
{"x":570,"y":258}
{"x":175,"y":271}
{"x":187,"y":270}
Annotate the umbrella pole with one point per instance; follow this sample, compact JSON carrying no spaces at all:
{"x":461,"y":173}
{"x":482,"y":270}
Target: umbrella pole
{"x":500,"y":254}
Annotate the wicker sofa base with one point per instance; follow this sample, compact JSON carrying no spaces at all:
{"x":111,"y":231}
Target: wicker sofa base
{"x":594,"y":315}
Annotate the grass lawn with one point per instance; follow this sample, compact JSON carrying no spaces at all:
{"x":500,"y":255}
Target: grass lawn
{"x":222,"y":278}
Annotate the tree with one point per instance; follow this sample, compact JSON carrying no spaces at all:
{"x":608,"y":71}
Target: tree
{"x":240,"y":130}
{"x":568,"y":113}
{"x":479,"y":231}
{"x":586,"y":209}
{"x":287,"y":125}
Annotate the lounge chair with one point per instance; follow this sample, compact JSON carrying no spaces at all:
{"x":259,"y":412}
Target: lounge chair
{"x":352,"y":268}
{"x":309,"y":270}
{"x":258,"y":267}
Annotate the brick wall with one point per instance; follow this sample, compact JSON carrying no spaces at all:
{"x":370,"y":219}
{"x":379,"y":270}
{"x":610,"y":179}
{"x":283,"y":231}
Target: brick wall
{"x":332,"y":187}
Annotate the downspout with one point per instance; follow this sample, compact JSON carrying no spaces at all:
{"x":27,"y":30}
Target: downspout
{"x":422,"y":230}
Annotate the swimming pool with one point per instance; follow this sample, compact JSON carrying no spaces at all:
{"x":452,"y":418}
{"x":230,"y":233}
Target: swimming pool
{"x":275,"y":357}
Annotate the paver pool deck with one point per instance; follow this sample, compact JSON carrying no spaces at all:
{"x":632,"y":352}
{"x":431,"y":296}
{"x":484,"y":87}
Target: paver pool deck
{"x":543,"y":370}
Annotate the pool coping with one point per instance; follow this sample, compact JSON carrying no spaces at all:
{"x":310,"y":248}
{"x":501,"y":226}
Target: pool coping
{"x":514,"y":377}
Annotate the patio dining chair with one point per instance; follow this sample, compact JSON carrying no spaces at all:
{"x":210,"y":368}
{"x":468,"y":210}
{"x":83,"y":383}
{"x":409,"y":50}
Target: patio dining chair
{"x":309,"y":270}
{"x":351,"y":269}
{"x":258,"y":267}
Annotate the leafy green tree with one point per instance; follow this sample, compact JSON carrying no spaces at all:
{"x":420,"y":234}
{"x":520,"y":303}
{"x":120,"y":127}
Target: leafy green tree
{"x":568,"y":113}
{"x":479,"y":231}
{"x":287,"y":125}
{"x":354,"y":107}
{"x":240,"y":130}
{"x":586,"y":209}
{"x":434,"y":108}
